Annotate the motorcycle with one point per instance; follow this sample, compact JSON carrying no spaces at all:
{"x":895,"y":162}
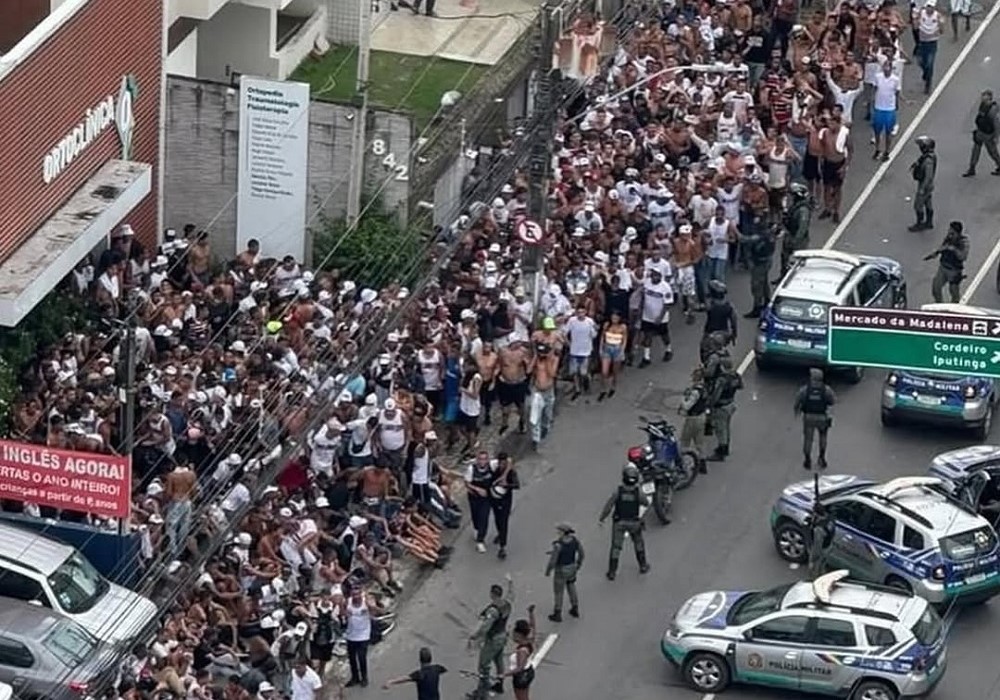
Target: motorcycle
{"x":663,"y":450}
{"x":657,"y":482}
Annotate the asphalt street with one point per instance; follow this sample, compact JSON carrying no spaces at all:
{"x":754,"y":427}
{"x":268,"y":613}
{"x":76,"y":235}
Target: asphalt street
{"x":720,"y":537}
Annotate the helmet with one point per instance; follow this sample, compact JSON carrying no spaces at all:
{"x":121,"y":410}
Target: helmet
{"x":926,"y":143}
{"x":630,"y":474}
{"x":717,"y":288}
{"x":798,"y":190}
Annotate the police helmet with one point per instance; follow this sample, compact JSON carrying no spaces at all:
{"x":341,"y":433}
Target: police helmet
{"x":798,"y":190}
{"x":630,"y":473}
{"x":926,"y":143}
{"x":717,"y":288}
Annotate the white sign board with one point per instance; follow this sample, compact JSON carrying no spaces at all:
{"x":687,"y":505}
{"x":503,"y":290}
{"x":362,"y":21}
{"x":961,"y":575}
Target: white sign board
{"x":273,"y":166}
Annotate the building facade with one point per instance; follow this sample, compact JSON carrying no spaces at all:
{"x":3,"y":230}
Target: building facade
{"x":81,"y":90}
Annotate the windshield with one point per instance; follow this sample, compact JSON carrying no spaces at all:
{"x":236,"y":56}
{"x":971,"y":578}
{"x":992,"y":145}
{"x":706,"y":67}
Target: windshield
{"x":70,"y":643}
{"x":969,"y":545}
{"x":76,"y":585}
{"x":928,"y":627}
{"x":754,"y":605}
{"x":800,"y":310}
{"x":936,"y":376}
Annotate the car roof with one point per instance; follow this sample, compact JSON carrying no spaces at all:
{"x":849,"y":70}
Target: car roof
{"x":836,"y":593}
{"x":961,"y":309}
{"x":925,"y":500}
{"x":819,"y":275}
{"x":31,"y":550}
{"x":969,"y":458}
{"x":22,"y":619}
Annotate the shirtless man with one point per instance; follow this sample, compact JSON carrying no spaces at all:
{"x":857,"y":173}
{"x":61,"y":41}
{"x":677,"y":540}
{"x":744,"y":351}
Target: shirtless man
{"x":200,"y":260}
{"x":488,"y":364}
{"x":376,"y":486}
{"x":512,"y":383}
{"x":836,"y":156}
{"x":544,"y":367}
{"x":178,"y":492}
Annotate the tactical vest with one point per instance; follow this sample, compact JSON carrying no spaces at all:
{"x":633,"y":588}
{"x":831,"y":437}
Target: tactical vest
{"x":950,"y":260}
{"x":762,"y":249}
{"x":701,"y":405}
{"x":499,"y":625}
{"x":718,"y":316}
{"x":567,"y":551}
{"x":627,"y":505}
{"x":984,"y":124}
{"x":730,"y":385}
{"x":815,"y":400}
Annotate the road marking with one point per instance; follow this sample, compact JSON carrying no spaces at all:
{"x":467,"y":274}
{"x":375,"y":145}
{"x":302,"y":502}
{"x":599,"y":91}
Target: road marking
{"x":981,"y":273}
{"x":901,"y":143}
{"x":710,"y":696}
{"x":546,"y":647}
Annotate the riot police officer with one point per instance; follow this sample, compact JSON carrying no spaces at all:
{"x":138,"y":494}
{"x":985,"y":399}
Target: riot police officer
{"x":723,"y":405}
{"x":626,"y":504}
{"x":951,"y":262}
{"x":796,"y":221}
{"x":759,"y":246}
{"x":694,"y":407}
{"x":923,"y":169}
{"x":821,"y":530}
{"x":492,"y":638}
{"x":720,"y":315}
{"x":814,"y":402}
{"x":565,"y":561}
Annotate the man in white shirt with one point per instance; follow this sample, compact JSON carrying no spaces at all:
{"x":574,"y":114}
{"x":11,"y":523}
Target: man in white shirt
{"x":657,"y":297}
{"x":305,"y":682}
{"x":581,"y":331}
{"x":884,"y":114}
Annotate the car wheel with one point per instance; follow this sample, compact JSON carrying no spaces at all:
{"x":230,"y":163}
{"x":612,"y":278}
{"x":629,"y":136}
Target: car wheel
{"x":982,"y":432}
{"x":762,"y":363}
{"x":855,"y":374}
{"x":900,"y":583}
{"x":706,"y":673}
{"x":888,"y":419}
{"x":791,"y":542}
{"x":874,"y":690}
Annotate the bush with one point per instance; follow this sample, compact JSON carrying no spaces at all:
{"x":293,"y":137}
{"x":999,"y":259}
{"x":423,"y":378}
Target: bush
{"x":375,"y":254}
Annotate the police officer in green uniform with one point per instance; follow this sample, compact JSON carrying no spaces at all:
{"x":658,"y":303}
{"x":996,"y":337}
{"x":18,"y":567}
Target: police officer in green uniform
{"x":694,"y":408}
{"x":565,"y":561}
{"x":923,"y":169}
{"x":627,"y":504}
{"x":814,"y":401}
{"x":951,"y":258}
{"x":796,"y":222}
{"x":720,"y":316}
{"x":723,"y":403}
{"x":759,"y":244}
{"x":492,"y":638}
{"x":821,"y":530}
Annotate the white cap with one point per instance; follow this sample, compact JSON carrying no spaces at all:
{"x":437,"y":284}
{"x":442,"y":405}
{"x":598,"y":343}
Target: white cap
{"x":589,"y":206}
{"x":390,"y":404}
{"x":264,"y":686}
{"x":392,"y":337}
{"x":301,"y":629}
{"x":238,"y":346}
{"x":371,"y":400}
{"x":243,"y":539}
{"x":357,"y":521}
{"x":322,"y":502}
{"x":430,"y":435}
{"x":285,"y":512}
{"x":467,"y":314}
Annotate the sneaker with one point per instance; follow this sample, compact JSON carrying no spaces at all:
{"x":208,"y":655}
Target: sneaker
{"x":644,"y":363}
{"x":480,"y":547}
{"x":502,"y":554}
{"x":668,"y":355}
{"x":969,"y":173}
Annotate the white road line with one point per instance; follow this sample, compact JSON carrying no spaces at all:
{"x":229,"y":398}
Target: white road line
{"x":901,"y":143}
{"x":710,"y":696}
{"x":981,"y":273}
{"x":543,"y":650}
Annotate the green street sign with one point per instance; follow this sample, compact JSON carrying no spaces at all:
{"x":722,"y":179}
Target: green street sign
{"x":914,"y":340}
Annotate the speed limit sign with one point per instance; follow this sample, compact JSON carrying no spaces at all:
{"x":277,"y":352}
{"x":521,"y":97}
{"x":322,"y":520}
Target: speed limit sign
{"x":530,"y":232}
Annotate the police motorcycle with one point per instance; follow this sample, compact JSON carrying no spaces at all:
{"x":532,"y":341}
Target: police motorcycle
{"x":662,"y":452}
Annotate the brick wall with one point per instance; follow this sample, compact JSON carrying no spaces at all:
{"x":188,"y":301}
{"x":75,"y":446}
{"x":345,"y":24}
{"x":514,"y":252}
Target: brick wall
{"x":202,"y":147}
{"x":48,"y":94}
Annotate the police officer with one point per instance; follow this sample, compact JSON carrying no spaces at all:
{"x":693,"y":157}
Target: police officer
{"x":821,"y":531}
{"x":759,"y":247}
{"x":985,"y":134}
{"x":723,"y":403}
{"x":720,"y":316}
{"x":951,"y":262}
{"x":627,"y":504}
{"x":565,"y":560}
{"x":923,"y":169}
{"x":492,"y":638}
{"x":796,"y":221}
{"x":814,"y":401}
{"x":694,"y":407}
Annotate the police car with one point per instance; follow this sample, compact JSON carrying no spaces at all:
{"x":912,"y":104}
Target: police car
{"x":831,"y":636}
{"x":911,"y":533}
{"x":942,"y":398}
{"x":793,"y":327}
{"x":973,"y":473}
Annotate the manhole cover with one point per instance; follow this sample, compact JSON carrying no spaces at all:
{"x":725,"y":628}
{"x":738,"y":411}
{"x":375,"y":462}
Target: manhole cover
{"x":658,"y":399}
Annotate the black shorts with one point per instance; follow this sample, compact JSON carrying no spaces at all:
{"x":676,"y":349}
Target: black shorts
{"x":660,"y":329}
{"x":511,"y":394}
{"x":832,"y":173}
{"x":468,"y":422}
{"x":810,"y":168}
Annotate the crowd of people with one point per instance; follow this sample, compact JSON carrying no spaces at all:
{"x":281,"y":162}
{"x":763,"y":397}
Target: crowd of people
{"x":675,"y":167}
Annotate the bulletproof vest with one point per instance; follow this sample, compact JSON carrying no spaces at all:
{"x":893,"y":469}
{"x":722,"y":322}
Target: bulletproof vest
{"x":950,"y":260}
{"x":983,"y":122}
{"x":792,"y":219}
{"x":568,"y":547}
{"x":483,"y":479}
{"x":627,"y":505}
{"x":718,"y":316}
{"x":762,"y":248}
{"x":730,"y":385}
{"x":815,"y":400}
{"x":701,"y":404}
{"x":499,"y":625}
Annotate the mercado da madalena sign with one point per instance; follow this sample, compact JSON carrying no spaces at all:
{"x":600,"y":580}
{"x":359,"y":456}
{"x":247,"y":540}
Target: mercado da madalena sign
{"x":80,"y":481}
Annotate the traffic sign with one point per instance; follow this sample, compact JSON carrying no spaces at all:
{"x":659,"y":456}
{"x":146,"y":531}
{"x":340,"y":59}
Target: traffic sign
{"x":530,"y":232}
{"x":914,"y":340}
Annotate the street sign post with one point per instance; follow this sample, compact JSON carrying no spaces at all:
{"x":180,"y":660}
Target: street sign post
{"x":914,"y":340}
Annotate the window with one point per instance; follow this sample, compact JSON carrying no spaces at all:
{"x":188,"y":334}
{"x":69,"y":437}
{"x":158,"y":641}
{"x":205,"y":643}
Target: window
{"x":850,"y":513}
{"x":969,"y":545}
{"x":16,"y":585}
{"x":754,"y":605}
{"x":879,"y":636}
{"x":928,"y":628}
{"x":881,"y":526}
{"x":790,"y":629}
{"x":77,"y":585}
{"x":912,"y":539}
{"x":13,"y":653}
{"x":870,"y":286}
{"x":70,"y":643}
{"x":835,"y":633}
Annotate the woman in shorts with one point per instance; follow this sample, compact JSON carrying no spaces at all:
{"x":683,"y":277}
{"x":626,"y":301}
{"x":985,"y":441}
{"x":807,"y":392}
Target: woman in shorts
{"x":519,"y":665}
{"x":614,"y":339}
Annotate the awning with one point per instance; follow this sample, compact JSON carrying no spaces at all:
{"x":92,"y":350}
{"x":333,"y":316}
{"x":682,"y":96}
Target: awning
{"x":68,"y":235}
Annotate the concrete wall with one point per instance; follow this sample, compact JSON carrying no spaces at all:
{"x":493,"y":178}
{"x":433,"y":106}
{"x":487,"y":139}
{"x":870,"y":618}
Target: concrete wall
{"x":238,"y":38}
{"x":202,"y":131}
{"x":183,"y":60}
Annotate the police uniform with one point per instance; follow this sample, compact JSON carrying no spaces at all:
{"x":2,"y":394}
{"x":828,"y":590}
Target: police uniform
{"x":813,"y":402}
{"x":694,"y":406}
{"x":821,"y":530}
{"x":951,"y":263}
{"x":723,"y":407}
{"x":760,"y":250}
{"x":796,"y":221}
{"x":492,"y":633}
{"x":626,"y":504}
{"x":564,"y":563}
{"x":923,"y":171}
{"x":721,"y":317}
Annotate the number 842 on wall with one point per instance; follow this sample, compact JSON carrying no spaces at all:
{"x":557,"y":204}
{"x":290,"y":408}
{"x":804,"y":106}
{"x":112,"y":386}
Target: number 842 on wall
{"x":401,"y":171}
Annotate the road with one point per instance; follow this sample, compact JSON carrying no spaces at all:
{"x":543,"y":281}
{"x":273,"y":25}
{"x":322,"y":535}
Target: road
{"x":719,"y":538}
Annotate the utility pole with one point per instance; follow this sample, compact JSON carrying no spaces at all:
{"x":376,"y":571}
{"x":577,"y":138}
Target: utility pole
{"x":540,"y":165}
{"x":355,"y":185}
{"x":127,"y":359}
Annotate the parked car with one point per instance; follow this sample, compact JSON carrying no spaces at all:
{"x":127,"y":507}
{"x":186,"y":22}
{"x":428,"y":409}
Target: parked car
{"x":47,"y":656}
{"x":793,"y":327}
{"x":34,"y":568}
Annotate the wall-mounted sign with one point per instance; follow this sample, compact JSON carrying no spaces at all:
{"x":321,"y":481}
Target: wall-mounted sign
{"x":111,"y":110}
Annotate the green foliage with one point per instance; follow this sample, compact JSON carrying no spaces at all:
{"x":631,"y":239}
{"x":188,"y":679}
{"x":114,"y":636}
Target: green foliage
{"x":374,"y":254}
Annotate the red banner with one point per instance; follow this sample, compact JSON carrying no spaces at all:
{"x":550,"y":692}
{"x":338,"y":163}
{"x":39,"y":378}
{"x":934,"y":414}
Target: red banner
{"x":82,"y":481}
